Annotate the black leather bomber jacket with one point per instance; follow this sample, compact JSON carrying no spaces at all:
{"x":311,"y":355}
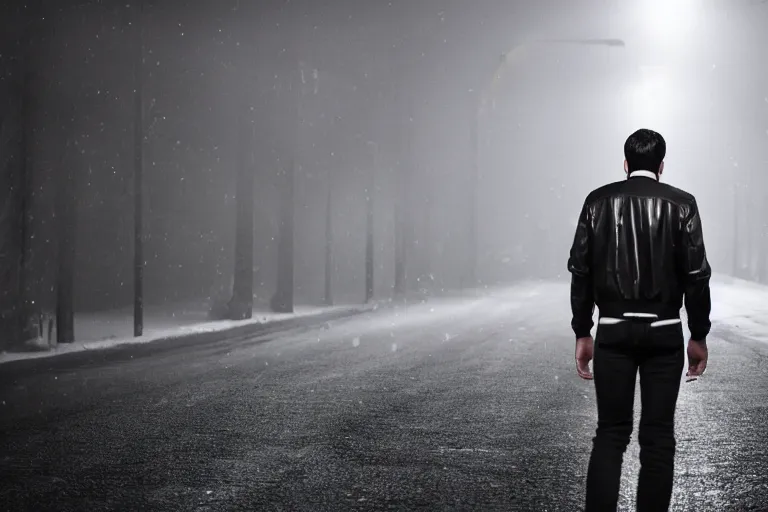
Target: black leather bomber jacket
{"x":639,"y":248}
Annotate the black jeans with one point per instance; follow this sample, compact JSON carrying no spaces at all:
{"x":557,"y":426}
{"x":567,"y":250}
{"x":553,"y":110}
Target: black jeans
{"x":620,"y":351}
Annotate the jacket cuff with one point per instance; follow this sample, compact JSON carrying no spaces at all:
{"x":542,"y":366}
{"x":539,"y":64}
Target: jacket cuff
{"x":582,"y":332}
{"x":699,"y":334}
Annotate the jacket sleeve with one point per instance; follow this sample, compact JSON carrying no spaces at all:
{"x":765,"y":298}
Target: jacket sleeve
{"x":579,"y":265}
{"x":696,"y":274}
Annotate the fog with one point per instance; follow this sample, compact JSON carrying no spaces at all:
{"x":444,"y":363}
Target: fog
{"x":359,"y":99}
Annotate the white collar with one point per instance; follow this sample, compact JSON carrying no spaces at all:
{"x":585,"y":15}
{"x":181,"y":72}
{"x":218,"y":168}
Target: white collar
{"x":644,"y":174}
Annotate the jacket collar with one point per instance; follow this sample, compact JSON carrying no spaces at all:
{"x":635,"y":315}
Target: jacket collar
{"x":644,"y":174}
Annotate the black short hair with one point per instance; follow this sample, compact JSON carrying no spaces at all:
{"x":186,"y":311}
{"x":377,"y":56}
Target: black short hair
{"x":645,"y":150}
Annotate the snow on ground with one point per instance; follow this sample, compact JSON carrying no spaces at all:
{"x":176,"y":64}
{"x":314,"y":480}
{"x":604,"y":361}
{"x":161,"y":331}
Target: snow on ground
{"x":741,"y":305}
{"x":111,"y":325}
{"x":107,"y":329}
{"x":736,"y":304}
{"x":542,"y":302}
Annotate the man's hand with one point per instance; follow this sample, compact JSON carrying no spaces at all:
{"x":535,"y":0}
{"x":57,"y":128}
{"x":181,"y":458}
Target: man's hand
{"x":697,"y":358}
{"x":584,"y":353}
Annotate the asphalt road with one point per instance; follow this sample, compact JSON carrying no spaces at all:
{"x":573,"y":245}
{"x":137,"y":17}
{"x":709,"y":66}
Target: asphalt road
{"x":453,"y":405}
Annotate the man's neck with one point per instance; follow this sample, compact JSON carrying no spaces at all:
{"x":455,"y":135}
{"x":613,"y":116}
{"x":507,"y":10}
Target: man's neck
{"x":643,"y":174}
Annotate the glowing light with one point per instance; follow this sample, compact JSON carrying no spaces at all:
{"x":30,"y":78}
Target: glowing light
{"x":669,"y":21}
{"x":650,"y":100}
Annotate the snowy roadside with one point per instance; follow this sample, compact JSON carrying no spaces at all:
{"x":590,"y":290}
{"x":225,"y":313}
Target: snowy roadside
{"x":741,"y":305}
{"x":737,"y":304}
{"x":99,"y":331}
{"x":109,"y":329}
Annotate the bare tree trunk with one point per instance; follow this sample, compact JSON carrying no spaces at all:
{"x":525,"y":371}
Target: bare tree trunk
{"x":410,"y":232}
{"x":18,"y":68}
{"x":138,"y":176}
{"x":763,"y":250}
{"x":66,"y":221}
{"x":329,"y":241}
{"x":25,"y":198}
{"x":401,"y":213}
{"x":282,"y":300}
{"x":371,"y":193}
{"x":470,"y":279}
{"x":428,"y":238}
{"x":750,"y":241}
{"x":399,"y":233}
{"x":761,"y":230}
{"x":12,"y":316}
{"x":760,"y":212}
{"x":736,"y":267}
{"x":241,"y":305}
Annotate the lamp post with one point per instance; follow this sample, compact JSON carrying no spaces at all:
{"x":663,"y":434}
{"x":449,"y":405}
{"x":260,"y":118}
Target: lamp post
{"x":486,"y":94}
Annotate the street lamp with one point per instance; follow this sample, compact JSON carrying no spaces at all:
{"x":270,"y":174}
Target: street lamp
{"x":485,"y":96}
{"x":652,"y":98}
{"x":669,"y":23}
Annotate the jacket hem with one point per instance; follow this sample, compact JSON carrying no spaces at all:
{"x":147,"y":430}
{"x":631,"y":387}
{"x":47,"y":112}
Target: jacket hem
{"x":661,"y":310}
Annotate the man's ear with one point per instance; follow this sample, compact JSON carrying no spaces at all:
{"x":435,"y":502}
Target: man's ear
{"x":626,"y":167}
{"x":661,"y":168}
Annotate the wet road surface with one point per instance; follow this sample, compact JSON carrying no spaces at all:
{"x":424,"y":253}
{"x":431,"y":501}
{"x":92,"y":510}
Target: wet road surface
{"x":452,"y":405}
